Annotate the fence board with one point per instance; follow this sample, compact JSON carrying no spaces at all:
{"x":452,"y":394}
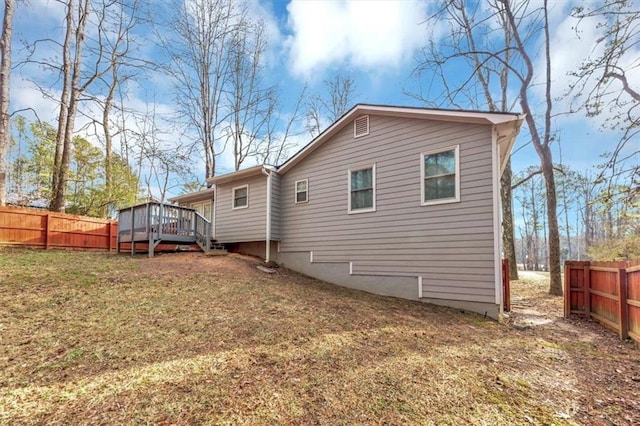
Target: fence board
{"x":43,"y":229}
{"x":608,"y":292}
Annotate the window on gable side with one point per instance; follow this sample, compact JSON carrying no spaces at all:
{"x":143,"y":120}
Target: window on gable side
{"x":440,"y":176}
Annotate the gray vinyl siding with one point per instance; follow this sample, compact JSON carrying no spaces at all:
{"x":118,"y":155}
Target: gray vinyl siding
{"x":450,"y":245}
{"x":275,"y":206}
{"x":246,"y":224}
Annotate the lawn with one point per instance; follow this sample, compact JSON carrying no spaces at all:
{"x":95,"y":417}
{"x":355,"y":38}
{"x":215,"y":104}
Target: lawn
{"x":90,"y":338}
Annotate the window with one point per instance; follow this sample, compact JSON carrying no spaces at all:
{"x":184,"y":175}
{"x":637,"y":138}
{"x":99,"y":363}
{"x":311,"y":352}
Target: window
{"x":206,"y":211}
{"x":241,"y":197}
{"x":440,"y":176}
{"x":362,"y":189}
{"x":302,"y":191}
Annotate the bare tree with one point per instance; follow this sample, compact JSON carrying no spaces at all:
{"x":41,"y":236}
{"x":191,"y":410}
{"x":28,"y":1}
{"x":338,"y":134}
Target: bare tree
{"x":483,"y":57}
{"x":605,"y":84}
{"x":5,"y":74}
{"x":280,"y":138}
{"x":199,"y":61}
{"x":158,"y":158}
{"x":119,"y":48}
{"x":77,"y":76}
{"x":326,"y":107}
{"x":251,"y":101}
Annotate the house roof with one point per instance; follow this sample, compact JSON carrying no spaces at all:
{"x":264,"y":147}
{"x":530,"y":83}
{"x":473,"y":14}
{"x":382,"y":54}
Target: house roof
{"x":508,"y":122}
{"x":240,"y":174}
{"x":193,"y":196}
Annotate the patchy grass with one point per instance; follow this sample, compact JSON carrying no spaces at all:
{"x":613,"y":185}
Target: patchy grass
{"x":183,"y":338}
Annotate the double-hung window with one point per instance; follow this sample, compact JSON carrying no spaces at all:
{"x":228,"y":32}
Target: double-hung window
{"x":240,"y":197}
{"x":302,"y":191}
{"x":362,"y":189}
{"x":440,"y":176}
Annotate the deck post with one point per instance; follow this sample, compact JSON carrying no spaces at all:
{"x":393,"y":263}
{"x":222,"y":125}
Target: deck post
{"x":133,"y":242}
{"x":150,"y":230}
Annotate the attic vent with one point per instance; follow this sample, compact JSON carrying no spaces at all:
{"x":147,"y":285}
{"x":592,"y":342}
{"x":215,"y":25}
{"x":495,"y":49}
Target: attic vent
{"x":361,"y":126}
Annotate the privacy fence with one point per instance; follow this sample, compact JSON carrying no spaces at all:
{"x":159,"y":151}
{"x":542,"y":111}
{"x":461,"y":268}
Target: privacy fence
{"x":608,"y":292}
{"x":44,"y":229}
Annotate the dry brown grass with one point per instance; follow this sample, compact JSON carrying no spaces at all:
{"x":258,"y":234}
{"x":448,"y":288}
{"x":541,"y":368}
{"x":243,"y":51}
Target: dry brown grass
{"x":183,"y":339}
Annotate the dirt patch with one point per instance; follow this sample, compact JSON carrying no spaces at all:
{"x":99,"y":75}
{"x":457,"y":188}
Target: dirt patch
{"x":189,"y":339}
{"x":608,"y":368}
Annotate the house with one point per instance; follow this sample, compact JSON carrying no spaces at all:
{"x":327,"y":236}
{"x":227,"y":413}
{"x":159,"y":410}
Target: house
{"x":396,"y":201}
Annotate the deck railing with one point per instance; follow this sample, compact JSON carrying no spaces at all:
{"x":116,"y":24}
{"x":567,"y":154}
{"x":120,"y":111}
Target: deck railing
{"x":155,"y":222}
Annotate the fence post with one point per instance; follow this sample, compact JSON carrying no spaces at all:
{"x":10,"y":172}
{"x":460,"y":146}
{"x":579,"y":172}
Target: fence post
{"x":47,"y":230}
{"x":586,"y":283}
{"x":506,"y":285}
{"x":623,"y":312}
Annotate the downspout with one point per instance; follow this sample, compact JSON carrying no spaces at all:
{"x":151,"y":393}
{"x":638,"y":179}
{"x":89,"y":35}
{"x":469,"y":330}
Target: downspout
{"x":497,"y":221}
{"x":267,"y":254}
{"x":213,"y":216}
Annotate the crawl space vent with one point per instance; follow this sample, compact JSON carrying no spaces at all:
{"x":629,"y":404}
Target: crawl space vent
{"x":361,"y":126}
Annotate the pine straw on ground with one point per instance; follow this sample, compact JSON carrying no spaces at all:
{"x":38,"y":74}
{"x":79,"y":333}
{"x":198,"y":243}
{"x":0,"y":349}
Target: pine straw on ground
{"x":89,"y":338}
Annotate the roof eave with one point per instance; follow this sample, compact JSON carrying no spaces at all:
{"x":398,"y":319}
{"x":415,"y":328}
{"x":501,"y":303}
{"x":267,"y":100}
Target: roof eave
{"x":191,"y":196}
{"x":237,"y":175}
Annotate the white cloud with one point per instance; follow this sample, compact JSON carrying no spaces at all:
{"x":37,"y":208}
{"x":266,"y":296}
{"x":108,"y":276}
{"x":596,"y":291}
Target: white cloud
{"x":367,"y":35}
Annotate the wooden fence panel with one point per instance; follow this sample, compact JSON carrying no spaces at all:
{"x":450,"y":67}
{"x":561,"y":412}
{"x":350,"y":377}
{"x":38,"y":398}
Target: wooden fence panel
{"x":604,"y":295}
{"x":43,"y":229}
{"x":574,"y":289}
{"x":609,"y":292}
{"x":633,"y":302}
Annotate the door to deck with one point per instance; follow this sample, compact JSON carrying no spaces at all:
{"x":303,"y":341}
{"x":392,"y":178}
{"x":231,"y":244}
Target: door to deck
{"x":205,"y":209}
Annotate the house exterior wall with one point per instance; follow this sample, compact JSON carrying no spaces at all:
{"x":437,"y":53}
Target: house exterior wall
{"x":243,"y":224}
{"x":450,"y":246}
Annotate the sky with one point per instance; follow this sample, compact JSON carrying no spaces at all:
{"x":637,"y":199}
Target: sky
{"x":309,"y":41}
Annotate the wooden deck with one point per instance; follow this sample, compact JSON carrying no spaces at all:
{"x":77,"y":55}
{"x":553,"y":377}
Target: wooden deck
{"x":154,"y":223}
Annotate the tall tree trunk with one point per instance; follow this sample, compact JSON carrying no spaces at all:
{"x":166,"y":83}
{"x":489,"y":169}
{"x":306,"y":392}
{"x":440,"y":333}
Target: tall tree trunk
{"x":108,"y":148}
{"x":64,"y":103}
{"x":507,"y":221}
{"x":59,"y":199}
{"x":540,"y":144}
{"x":555,"y":285}
{"x":5,"y":74}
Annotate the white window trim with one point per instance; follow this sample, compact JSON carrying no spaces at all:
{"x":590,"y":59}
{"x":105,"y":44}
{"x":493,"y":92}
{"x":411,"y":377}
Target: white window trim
{"x":295,"y":191}
{"x":233,"y":197}
{"x":355,"y":135}
{"x":373,"y":177}
{"x":455,"y":199}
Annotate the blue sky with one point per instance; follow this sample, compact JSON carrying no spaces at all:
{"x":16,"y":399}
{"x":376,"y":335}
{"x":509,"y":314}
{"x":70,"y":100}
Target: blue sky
{"x":376,"y":42}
